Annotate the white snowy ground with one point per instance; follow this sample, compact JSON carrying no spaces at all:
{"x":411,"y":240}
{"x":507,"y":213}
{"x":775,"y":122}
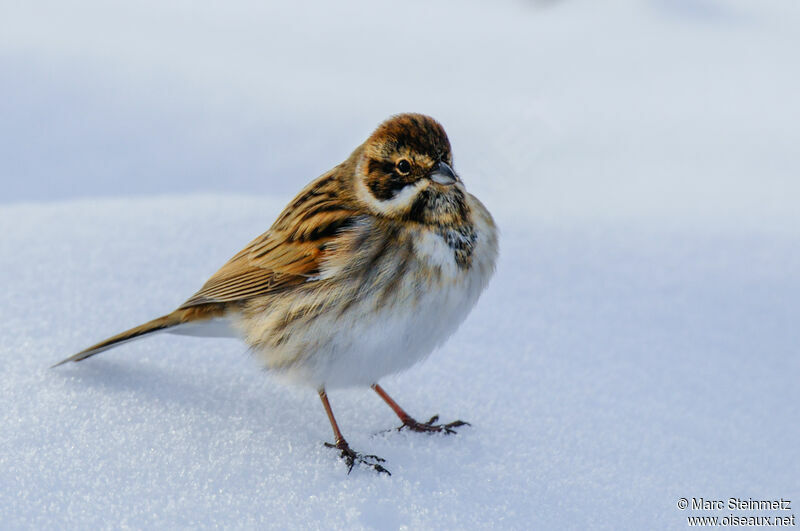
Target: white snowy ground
{"x":607,"y":372}
{"x":638,"y":344}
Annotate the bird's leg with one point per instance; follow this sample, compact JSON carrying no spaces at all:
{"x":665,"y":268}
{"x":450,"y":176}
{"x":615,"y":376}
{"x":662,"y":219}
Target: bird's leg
{"x":350,"y":457}
{"x":411,"y":424}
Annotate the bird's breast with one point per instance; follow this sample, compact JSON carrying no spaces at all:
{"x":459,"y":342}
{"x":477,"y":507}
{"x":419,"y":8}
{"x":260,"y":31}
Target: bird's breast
{"x":361,"y":323}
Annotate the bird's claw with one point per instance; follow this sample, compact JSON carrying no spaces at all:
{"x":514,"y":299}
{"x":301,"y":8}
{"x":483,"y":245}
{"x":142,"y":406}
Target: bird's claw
{"x":351,"y":458}
{"x":431,"y":426}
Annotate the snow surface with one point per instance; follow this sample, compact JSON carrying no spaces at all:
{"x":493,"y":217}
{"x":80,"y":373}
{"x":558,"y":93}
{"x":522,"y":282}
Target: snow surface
{"x":638,"y":344}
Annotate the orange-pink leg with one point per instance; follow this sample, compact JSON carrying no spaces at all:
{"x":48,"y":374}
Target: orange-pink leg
{"x":350,"y":457}
{"x":409,"y":422}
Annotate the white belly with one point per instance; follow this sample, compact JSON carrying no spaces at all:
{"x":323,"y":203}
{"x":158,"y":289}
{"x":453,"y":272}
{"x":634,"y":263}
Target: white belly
{"x":369,"y":344}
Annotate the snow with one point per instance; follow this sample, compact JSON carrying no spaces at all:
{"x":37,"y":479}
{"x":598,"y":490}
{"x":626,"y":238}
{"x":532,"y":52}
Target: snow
{"x":638,"y":343}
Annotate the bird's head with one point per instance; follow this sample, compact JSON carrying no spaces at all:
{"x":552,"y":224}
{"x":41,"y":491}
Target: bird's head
{"x":405,"y":171}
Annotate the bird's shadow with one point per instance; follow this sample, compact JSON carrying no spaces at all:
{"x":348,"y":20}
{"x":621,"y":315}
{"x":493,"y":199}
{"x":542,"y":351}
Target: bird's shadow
{"x":161,"y":386}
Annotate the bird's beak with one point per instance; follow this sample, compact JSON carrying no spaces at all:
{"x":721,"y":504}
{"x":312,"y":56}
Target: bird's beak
{"x":443,"y":174}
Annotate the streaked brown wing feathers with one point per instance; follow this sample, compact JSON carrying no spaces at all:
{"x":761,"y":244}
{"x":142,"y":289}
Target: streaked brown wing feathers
{"x":287,"y":255}
{"x":232,"y":285}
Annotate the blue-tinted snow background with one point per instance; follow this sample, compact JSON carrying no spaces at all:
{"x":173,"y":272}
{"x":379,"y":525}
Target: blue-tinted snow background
{"x":638,"y":344}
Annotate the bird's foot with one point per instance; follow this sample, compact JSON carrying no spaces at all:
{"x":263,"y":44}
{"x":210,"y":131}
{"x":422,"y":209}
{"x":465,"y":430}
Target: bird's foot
{"x":431,"y":426}
{"x":351,"y":458}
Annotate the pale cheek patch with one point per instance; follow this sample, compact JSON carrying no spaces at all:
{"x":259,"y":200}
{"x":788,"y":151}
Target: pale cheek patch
{"x":399,"y":204}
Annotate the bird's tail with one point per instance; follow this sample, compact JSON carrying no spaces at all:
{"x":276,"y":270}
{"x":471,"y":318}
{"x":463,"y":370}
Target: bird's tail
{"x":178,"y":317}
{"x":156,"y":325}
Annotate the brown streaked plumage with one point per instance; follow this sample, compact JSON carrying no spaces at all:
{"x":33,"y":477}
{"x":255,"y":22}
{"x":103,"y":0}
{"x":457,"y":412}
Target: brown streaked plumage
{"x":365,"y":272}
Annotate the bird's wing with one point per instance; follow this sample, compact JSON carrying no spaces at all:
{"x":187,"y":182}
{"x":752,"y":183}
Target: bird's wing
{"x":290,"y":253}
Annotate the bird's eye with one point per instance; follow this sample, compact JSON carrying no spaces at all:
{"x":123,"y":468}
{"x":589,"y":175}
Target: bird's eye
{"x":403,"y":167}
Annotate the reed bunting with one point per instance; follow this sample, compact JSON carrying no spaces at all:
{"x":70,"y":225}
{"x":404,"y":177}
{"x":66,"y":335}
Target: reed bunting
{"x":372,"y":266}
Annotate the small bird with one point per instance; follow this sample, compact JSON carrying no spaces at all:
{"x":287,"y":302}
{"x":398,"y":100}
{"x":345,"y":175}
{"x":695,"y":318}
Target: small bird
{"x":372,"y":266}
